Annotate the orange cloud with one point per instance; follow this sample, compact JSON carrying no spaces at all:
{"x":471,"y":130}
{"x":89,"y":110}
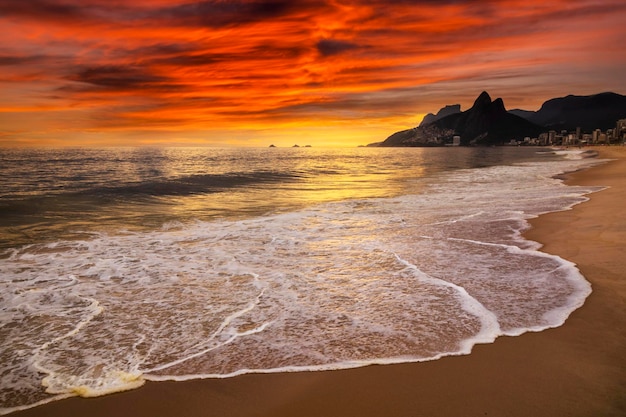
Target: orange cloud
{"x":131,"y":71}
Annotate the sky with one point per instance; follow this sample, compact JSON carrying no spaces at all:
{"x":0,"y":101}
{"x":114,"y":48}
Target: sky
{"x":284,"y":72}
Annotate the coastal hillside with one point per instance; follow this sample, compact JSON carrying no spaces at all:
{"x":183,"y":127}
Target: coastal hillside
{"x":486,"y":123}
{"x":598,"y":111}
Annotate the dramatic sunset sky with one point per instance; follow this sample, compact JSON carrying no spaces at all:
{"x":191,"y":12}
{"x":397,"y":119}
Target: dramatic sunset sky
{"x":251,"y":72}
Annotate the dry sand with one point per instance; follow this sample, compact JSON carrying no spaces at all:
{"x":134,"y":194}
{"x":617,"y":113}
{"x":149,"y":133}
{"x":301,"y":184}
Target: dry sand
{"x":575,"y":370}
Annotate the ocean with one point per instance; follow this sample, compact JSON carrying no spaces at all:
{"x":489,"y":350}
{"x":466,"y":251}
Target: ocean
{"x":121,"y":265}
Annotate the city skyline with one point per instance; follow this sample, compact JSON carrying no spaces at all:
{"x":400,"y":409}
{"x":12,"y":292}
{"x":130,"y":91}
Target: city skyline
{"x":251,"y":73}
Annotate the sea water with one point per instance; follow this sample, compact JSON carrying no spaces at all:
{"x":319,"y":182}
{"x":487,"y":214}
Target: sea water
{"x":122,"y":265}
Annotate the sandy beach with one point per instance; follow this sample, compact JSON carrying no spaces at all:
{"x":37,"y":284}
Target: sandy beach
{"x":578,"y":369}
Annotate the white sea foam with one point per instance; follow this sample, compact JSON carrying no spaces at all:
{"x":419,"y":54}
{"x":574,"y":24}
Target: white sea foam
{"x":575,"y":154}
{"x":334,"y":286}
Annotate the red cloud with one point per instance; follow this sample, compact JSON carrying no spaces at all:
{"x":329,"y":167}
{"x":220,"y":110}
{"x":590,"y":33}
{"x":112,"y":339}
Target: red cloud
{"x":198,"y":64}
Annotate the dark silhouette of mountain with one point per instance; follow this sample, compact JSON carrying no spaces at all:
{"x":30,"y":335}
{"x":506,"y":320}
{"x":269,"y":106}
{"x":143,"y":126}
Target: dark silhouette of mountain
{"x":485,"y":123}
{"x":598,"y":111}
{"x":524,"y":114}
{"x":428,"y":135}
{"x":443,"y":112}
{"x":488,"y":123}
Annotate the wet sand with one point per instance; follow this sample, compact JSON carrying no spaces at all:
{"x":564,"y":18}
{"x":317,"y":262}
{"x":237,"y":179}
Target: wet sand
{"x":578,"y":369}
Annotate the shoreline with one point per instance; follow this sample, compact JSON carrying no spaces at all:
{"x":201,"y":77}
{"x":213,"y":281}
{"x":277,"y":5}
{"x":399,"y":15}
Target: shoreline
{"x":578,"y":369}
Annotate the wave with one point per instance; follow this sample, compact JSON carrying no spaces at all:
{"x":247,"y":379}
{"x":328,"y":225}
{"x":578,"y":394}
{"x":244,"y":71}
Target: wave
{"x":181,"y":186}
{"x":193,"y":184}
{"x":349,"y":283}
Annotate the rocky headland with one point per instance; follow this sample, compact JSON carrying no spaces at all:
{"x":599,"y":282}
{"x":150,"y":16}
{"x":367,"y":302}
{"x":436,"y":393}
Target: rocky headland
{"x":488,"y":122}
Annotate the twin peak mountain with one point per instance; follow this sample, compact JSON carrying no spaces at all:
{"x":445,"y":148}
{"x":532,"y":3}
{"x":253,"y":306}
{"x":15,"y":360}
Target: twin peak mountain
{"x":488,"y":122}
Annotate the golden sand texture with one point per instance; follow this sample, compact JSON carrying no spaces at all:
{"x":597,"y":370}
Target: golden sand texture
{"x":578,"y":369}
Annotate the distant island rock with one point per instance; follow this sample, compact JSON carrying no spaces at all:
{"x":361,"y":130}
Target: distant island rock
{"x":486,"y":123}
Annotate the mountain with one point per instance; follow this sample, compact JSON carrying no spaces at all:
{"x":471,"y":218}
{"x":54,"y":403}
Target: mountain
{"x":443,"y":112}
{"x":486,"y":123}
{"x":598,"y":111}
{"x":524,"y":114}
{"x":428,"y":135}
